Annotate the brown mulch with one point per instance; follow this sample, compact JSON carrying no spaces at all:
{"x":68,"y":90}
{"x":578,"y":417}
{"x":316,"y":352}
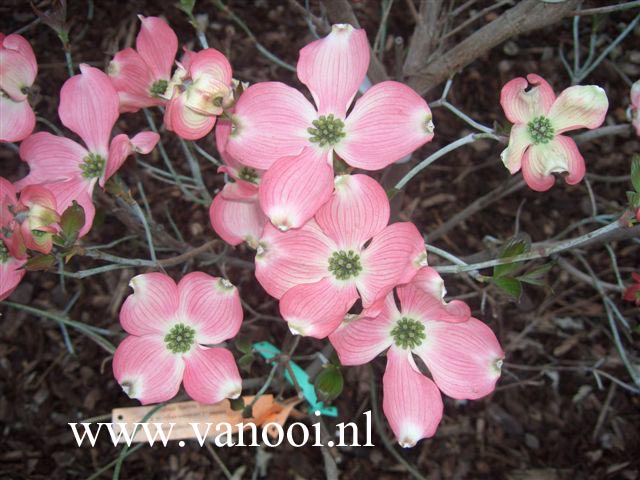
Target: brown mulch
{"x":548,"y":419}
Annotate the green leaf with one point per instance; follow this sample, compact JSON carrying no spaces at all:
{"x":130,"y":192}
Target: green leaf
{"x":634,"y":199}
{"x":245,"y":361}
{"x":237,"y":404}
{"x":72,"y":221}
{"x":516,"y":246}
{"x":40,"y":262}
{"x":511,"y":286}
{"x":329,"y":383}
{"x":186,"y":6}
{"x":243,"y":344}
{"x":635,"y":173}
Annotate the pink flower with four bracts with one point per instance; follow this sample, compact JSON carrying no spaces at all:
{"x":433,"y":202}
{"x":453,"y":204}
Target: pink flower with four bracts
{"x":275,"y":128}
{"x":141,"y":76}
{"x":347,"y":252}
{"x":535,"y":144}
{"x":18,"y":70}
{"x":461,"y":353}
{"x":200,"y":90}
{"x":89,"y":108}
{"x":28,"y":222}
{"x":169,"y":326}
{"x":235,"y":213}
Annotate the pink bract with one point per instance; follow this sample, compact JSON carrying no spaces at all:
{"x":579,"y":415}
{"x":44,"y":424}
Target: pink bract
{"x":635,"y":106}
{"x":462,"y":354}
{"x":235,"y":213}
{"x":88,"y":107}
{"x":347,"y":252}
{"x":169,"y":327}
{"x":141,"y":76}
{"x":199,"y":91}
{"x":276,"y":128}
{"x":18,"y":70}
{"x":30,"y":220}
{"x":536,"y":145}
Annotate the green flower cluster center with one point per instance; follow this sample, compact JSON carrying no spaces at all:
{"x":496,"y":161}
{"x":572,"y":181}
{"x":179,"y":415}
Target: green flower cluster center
{"x":4,"y":252}
{"x":345,"y":264}
{"x":408,"y":333}
{"x":180,"y":338}
{"x":326,"y":130}
{"x":541,"y":130}
{"x":248,"y":175}
{"x":92,"y":166}
{"x":158,"y":88}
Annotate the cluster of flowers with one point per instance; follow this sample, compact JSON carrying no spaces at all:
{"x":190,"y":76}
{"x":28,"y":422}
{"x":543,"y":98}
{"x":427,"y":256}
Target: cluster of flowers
{"x":321,"y":232}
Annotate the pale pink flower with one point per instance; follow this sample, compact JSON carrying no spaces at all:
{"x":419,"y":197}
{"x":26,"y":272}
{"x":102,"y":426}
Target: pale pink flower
{"x":199,"y":91}
{"x":635,"y":106}
{"x":30,"y":221}
{"x":535,"y":144}
{"x":462,"y":354}
{"x":347,"y":252}
{"x":235,"y":213}
{"x":141,"y":76}
{"x":89,"y":108}
{"x":11,"y":271}
{"x":276,"y":128}
{"x":18,"y":70}
{"x":169,"y":326}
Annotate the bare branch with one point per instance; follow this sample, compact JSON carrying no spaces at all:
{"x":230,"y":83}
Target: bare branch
{"x":526,"y":16}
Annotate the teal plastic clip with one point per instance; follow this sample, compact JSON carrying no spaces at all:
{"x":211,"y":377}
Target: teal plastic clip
{"x":269,"y":351}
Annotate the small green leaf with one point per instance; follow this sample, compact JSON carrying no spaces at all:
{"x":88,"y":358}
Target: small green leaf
{"x":511,"y":286}
{"x":40,"y":262}
{"x":237,"y":404}
{"x":243,"y":344}
{"x":634,"y":199}
{"x":72,"y":221}
{"x":186,"y":6}
{"x":516,"y":246}
{"x":635,"y":173}
{"x":245,"y":361}
{"x":329,"y":383}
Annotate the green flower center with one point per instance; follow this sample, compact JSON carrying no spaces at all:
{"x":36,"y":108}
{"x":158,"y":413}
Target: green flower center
{"x":180,"y":338}
{"x":38,"y":233}
{"x":248,"y":175}
{"x":326,"y":130}
{"x":4,"y":252}
{"x":540,"y":130}
{"x":345,"y":264}
{"x":92,"y":166}
{"x":158,"y":88}
{"x":408,"y":333}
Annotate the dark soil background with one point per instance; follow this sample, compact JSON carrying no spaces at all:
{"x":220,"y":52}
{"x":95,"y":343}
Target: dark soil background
{"x":550,"y":418}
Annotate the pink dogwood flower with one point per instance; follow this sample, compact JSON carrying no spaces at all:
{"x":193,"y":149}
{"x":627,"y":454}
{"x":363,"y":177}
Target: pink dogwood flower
{"x":635,"y":106}
{"x":347,"y":252}
{"x":201,"y":88}
{"x":462,"y":354}
{"x":18,"y":70}
{"x":535,"y":144}
{"x":89,"y":108}
{"x":11,"y":271}
{"x":141,"y":76}
{"x":276,"y":128}
{"x":30,"y":221}
{"x":169,"y":326}
{"x":235,"y":213}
